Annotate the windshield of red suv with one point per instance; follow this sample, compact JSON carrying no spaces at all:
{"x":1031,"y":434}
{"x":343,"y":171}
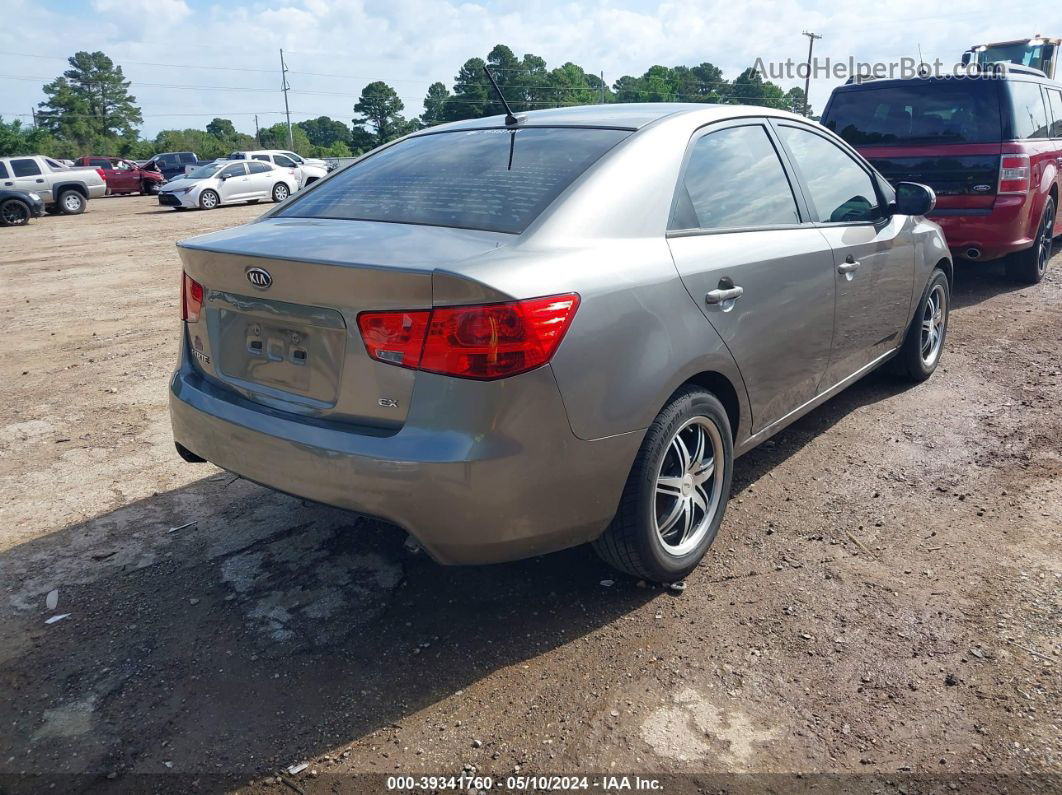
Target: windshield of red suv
{"x":921,"y":112}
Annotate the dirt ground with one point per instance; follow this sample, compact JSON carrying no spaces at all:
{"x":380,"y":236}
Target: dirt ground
{"x":883,"y":603}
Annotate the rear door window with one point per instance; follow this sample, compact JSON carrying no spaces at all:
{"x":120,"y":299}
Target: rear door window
{"x":186,"y":157}
{"x":1054,"y":99}
{"x":285,"y":162}
{"x":258,"y":168}
{"x":493,"y":179}
{"x":926,"y":112}
{"x":841,"y":189}
{"x":3,"y":171}
{"x":99,"y":162}
{"x":1030,"y":114}
{"x":733,"y":179}
{"x":25,"y":167}
{"x":261,"y":157}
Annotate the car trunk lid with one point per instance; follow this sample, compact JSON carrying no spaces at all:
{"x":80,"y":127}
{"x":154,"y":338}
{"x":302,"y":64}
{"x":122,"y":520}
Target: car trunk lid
{"x":281,"y":300}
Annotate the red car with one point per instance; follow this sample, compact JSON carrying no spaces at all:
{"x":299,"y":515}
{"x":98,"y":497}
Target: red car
{"x":123,"y":176}
{"x":989,"y":145}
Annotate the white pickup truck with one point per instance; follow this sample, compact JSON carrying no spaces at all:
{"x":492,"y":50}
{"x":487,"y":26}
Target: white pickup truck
{"x":63,"y":190}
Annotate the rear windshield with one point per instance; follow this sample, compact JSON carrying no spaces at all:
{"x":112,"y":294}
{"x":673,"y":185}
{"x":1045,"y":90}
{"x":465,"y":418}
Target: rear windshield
{"x":926,"y":112}
{"x":497,"y":180}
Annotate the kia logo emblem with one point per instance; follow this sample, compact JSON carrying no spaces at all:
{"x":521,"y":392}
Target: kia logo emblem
{"x":259,"y":277}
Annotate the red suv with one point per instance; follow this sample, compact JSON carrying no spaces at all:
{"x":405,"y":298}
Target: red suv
{"x":989,"y":145}
{"x":123,"y":176}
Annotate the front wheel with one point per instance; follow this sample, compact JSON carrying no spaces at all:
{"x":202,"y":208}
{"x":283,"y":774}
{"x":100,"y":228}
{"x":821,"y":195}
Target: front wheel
{"x":71,"y":202}
{"x":208,"y":200}
{"x":14,"y":213}
{"x":676,"y":493}
{"x":280,"y":192}
{"x":924,"y":343}
{"x":149,"y":188}
{"x":1030,"y":265}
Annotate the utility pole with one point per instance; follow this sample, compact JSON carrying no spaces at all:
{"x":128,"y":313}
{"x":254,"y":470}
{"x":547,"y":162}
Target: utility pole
{"x":807,"y":77}
{"x":284,"y":87}
{"x":257,"y":135}
{"x":33,"y":110}
{"x":602,"y":88}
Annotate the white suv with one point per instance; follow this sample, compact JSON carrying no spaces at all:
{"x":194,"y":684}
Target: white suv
{"x":306,"y":171}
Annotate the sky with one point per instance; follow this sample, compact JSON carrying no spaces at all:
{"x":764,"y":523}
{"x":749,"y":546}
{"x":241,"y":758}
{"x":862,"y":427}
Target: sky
{"x":192,"y":60}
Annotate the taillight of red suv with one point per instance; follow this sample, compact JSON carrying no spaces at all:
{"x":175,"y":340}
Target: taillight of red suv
{"x":1014,"y":176}
{"x":484,"y":342}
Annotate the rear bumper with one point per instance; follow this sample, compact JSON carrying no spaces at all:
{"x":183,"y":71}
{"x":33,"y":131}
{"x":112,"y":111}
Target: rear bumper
{"x":97,"y":191}
{"x":480,"y":472}
{"x":1000,"y":231}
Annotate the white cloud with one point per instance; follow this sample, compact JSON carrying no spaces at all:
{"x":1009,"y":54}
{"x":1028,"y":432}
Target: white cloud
{"x":411,"y":43}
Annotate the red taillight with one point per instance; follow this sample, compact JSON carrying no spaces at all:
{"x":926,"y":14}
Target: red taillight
{"x":394,"y":337}
{"x":102,"y":173}
{"x":484,"y":342}
{"x":191,"y":299}
{"x":1014,"y":174}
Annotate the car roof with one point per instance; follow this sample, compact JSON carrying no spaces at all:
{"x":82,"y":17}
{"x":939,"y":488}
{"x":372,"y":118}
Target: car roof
{"x":899,"y":82}
{"x":633,"y":116}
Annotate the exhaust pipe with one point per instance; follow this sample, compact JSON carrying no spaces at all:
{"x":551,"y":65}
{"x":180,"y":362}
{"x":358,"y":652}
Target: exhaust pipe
{"x":973,"y":253}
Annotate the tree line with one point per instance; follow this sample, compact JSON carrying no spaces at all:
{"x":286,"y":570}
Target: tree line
{"x":90,"y":110}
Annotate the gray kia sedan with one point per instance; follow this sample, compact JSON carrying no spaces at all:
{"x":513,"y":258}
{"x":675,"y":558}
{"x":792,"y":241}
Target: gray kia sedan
{"x":513,"y":338}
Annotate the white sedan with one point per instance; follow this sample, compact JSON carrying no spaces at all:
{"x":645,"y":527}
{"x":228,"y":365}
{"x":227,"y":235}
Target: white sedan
{"x":229,"y":182}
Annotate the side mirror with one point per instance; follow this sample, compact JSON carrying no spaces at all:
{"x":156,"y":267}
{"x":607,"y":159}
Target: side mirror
{"x":913,"y":198}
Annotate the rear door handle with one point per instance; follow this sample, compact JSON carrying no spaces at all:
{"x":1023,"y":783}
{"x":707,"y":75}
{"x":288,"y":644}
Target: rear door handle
{"x":718,"y":296}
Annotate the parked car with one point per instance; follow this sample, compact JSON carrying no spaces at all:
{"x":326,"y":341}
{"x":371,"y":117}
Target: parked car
{"x":124,"y":176}
{"x":18,"y":206}
{"x":990,"y":146}
{"x":63,"y":190}
{"x":228,"y":182}
{"x":513,"y":339}
{"x":172,"y":164}
{"x":307,"y":173}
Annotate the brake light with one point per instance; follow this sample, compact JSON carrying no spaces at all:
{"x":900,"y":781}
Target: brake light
{"x":484,"y":342}
{"x":1014,"y":174}
{"x":102,"y":173}
{"x":394,"y":337}
{"x":191,"y":299}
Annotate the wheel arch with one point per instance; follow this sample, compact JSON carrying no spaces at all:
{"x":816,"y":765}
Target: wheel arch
{"x":78,"y":186}
{"x":720,"y":386}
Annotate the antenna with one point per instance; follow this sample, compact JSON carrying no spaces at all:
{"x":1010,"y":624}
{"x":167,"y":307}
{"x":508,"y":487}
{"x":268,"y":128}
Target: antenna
{"x":510,"y":119}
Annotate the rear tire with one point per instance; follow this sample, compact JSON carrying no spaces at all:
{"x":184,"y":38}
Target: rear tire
{"x":208,"y":200}
{"x":14,"y":213}
{"x":924,"y":344}
{"x":676,"y":493}
{"x":1029,"y":266}
{"x":70,"y":202}
{"x":280,"y":192}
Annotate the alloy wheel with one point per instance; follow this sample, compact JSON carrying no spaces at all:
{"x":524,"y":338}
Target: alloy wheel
{"x":1045,"y":241}
{"x":208,"y":200}
{"x":934,"y":316}
{"x":15,"y":214}
{"x":689,"y":486}
{"x":72,"y":202}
